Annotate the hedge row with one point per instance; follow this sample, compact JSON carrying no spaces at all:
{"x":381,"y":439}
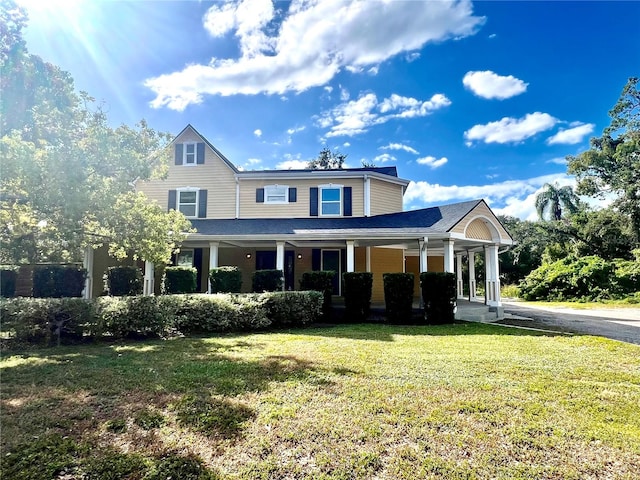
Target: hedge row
{"x":50,"y":321}
{"x":587,"y":278}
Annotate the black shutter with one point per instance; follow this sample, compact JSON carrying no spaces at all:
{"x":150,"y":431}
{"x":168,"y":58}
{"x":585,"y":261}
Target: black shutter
{"x":259,"y":195}
{"x":200,"y":153}
{"x":315,"y":259}
{"x":293,"y":194}
{"x":313,"y":205}
{"x":197,"y":263}
{"x":346,"y":206}
{"x":202,"y":204}
{"x":172,"y":200}
{"x":178,"y":158}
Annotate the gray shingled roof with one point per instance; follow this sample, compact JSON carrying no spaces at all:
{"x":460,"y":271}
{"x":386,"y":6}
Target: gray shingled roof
{"x":433,"y":220}
{"x":391,"y":171}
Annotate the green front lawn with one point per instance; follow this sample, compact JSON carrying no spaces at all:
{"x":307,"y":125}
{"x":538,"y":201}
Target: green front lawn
{"x":366,"y":401}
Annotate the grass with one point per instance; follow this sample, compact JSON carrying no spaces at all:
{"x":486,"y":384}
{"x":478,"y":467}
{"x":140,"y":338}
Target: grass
{"x":608,"y":304}
{"x":468,"y":401}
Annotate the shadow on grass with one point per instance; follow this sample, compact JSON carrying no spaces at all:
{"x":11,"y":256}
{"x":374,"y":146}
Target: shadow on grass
{"x":84,"y":390}
{"x":386,"y":332}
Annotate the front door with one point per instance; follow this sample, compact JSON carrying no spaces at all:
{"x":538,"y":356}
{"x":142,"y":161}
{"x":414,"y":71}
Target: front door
{"x":331,"y":261}
{"x":289,"y":277}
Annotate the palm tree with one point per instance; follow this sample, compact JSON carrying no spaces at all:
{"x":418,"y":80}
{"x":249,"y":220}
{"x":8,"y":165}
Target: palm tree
{"x":554,"y":198}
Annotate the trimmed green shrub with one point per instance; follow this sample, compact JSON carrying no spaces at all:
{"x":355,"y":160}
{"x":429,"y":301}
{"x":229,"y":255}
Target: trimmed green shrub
{"x":46,"y":321}
{"x":439,"y":297}
{"x":123,"y":280}
{"x":218,"y":313}
{"x":132,"y":316}
{"x":357,"y":295}
{"x":225,"y":280}
{"x":267,"y":281}
{"x":293,"y":309}
{"x":180,"y":280}
{"x":586,"y":278}
{"x":320,"y":281}
{"x":56,"y":281}
{"x":8,"y":280}
{"x":398,"y":296}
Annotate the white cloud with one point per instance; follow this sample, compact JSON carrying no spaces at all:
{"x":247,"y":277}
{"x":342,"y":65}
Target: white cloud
{"x":292,"y":165}
{"x":571,"y":136}
{"x":344,"y":94}
{"x":557,"y":161}
{"x":510,"y":197}
{"x":254,"y":161}
{"x":291,"y":131}
{"x":328,"y":89}
{"x":511,"y":129}
{"x":400,"y":146}
{"x":257,"y":132}
{"x":412,"y":57}
{"x":308,"y":44}
{"x":432,"y":162}
{"x":385,"y":157}
{"x":488,"y":84}
{"x":346,"y":144}
{"x":374,"y":70}
{"x":356,"y":116}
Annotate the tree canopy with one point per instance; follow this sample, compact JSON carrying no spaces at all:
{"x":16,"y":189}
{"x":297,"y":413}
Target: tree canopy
{"x":612,"y":165}
{"x":553,"y":199}
{"x":67,"y":176}
{"x":327,"y":160}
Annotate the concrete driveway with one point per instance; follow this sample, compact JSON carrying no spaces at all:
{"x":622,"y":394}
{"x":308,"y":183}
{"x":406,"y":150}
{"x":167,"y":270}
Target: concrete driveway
{"x":619,"y":324}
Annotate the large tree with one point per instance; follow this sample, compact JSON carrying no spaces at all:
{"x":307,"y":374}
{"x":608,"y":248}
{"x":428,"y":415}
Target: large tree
{"x":553,"y":199}
{"x":612,"y":165}
{"x":66,"y":172}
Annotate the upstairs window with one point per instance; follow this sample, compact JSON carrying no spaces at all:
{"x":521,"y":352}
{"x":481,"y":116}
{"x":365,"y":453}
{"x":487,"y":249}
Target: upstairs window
{"x":188,"y":203}
{"x":276,"y":194}
{"x":189,"y":154}
{"x":330,"y":200}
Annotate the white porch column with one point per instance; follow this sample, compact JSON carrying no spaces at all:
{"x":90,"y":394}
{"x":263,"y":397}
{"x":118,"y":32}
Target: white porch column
{"x":351,"y":261}
{"x":149,"y":282}
{"x":423,"y":254}
{"x":459,"y":281}
{"x":368,"y":259}
{"x":213,"y":260}
{"x":280,"y":259}
{"x":87,"y":293}
{"x":472,"y":276}
{"x":448,"y":255}
{"x":493,"y":276}
{"x":494,"y":279}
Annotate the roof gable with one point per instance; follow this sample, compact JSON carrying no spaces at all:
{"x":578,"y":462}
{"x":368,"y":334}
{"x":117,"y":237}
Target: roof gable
{"x":188,"y":128}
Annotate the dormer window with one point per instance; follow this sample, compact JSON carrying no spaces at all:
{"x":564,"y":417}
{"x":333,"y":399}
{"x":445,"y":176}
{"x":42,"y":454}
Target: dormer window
{"x":189,"y":157}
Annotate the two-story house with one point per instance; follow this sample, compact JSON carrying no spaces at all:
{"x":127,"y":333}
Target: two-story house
{"x":301,"y":220}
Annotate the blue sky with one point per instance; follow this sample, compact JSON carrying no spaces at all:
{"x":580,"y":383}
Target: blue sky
{"x":468,"y":100}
